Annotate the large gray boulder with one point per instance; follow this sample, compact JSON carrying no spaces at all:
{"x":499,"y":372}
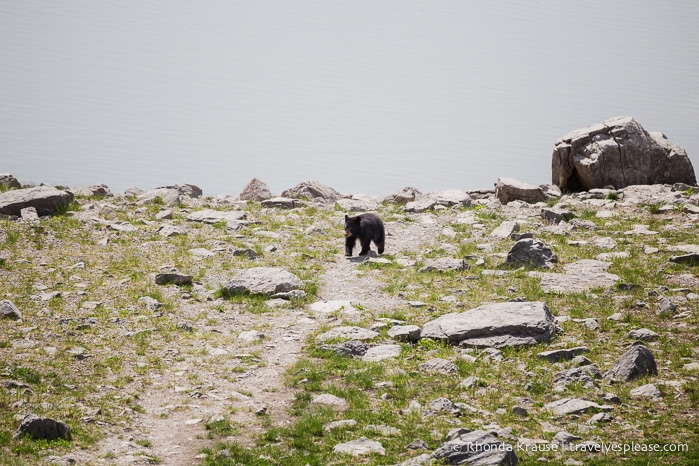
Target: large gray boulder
{"x":636,"y":362}
{"x":313,"y":191}
{"x":47,"y":200}
{"x":263,"y":280}
{"x":477,"y":447}
{"x":496,"y":325}
{"x":618,"y":152}
{"x":256,"y":190}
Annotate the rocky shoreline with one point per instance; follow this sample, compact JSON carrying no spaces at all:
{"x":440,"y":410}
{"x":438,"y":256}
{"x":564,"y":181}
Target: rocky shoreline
{"x":518,"y":325}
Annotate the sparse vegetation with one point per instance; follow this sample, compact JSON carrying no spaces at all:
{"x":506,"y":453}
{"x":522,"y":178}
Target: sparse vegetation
{"x":89,"y":351}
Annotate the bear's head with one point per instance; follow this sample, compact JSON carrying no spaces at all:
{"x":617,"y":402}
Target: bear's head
{"x":352,"y":226}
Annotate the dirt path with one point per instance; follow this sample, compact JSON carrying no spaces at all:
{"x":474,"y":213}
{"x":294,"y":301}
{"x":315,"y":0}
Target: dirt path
{"x":210,"y":373}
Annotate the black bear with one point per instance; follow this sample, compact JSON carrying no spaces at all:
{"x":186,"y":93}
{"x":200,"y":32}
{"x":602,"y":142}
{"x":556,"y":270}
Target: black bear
{"x":366,"y":228}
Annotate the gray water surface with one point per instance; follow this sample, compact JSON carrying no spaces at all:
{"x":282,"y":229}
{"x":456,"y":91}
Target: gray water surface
{"x":365,"y":96}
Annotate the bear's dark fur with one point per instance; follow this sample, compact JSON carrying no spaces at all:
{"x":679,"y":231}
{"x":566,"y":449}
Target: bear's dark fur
{"x":366,"y":228}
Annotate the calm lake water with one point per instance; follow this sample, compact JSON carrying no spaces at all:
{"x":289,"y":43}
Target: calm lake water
{"x":361,"y":95}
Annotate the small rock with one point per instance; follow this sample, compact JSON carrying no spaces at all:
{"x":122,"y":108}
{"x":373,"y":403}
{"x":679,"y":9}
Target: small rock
{"x":381,"y":352}
{"x":405,"y":333}
{"x":646,"y":391}
{"x":360,"y":447}
{"x":636,"y":362}
{"x":174,"y":278}
{"x":328,"y":399}
{"x":9,"y":311}
{"x":344,"y":423}
{"x":42,"y":428}
{"x":439,"y":366}
{"x":642,"y":334}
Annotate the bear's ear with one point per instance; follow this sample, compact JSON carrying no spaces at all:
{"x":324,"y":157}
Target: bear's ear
{"x":346,"y":217}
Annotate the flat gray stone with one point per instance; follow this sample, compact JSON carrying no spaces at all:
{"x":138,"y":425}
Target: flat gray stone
{"x":497,"y":325}
{"x":579,"y":277}
{"x":328,"y":399}
{"x":569,"y":406}
{"x":504,"y":230}
{"x":477,"y":447}
{"x":360,"y":447}
{"x":643,"y":334}
{"x":563,"y":354}
{"x":47,"y":200}
{"x":263,"y":280}
{"x":439,"y":366}
{"x":381,"y":352}
{"x":444,"y":264}
{"x":211,"y":217}
{"x":174,"y":278}
{"x":405,"y":333}
{"x":646,"y":391}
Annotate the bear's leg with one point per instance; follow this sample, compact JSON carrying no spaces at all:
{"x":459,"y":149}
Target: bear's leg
{"x":349,"y":244}
{"x":380,"y":244}
{"x":366,"y":243}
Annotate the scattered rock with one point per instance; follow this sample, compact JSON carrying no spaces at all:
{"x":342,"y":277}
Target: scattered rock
{"x":691,"y":259}
{"x":497,"y":325}
{"x":509,"y":189}
{"x":341,"y":424}
{"x":643,"y":334}
{"x":347,"y":348}
{"x":563,"y":354}
{"x":403,"y":196}
{"x":420,"y":205}
{"x":42,"y":428}
{"x":7,"y":181}
{"x":381,"y":352}
{"x":444,"y":264}
{"x":360,"y":447}
{"x":314,"y":191}
{"x":578,"y":277}
{"x":478,"y":448}
{"x":9,"y":311}
{"x":331,"y":400}
{"x":282,"y":203}
{"x":570,"y":406}
{"x":263,"y":280}
{"x":439,"y":366}
{"x":174,"y":278}
{"x":636,"y":362}
{"x":529,"y":252}
{"x":232,"y":218}
{"x":505,"y":230}
{"x":405,"y":333}
{"x":564,"y":439}
{"x":646,"y":391}
{"x":251,"y":336}
{"x":584,"y":375}
{"x":256,"y":191}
